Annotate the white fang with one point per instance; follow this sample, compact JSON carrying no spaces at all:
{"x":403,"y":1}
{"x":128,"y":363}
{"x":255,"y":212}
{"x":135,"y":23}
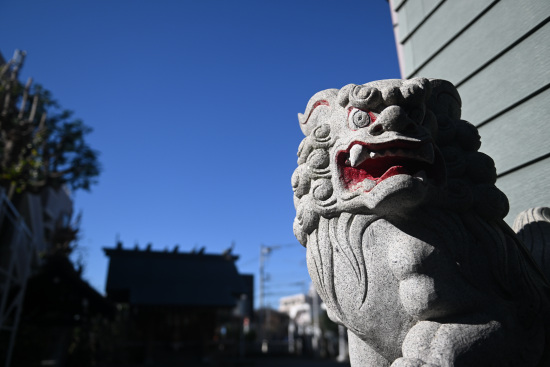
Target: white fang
{"x":358,"y":154}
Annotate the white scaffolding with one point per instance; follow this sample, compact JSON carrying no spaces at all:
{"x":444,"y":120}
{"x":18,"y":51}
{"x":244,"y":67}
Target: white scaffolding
{"x":17,"y":249}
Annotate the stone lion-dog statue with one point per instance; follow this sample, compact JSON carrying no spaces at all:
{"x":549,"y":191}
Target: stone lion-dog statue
{"x":404,"y":231}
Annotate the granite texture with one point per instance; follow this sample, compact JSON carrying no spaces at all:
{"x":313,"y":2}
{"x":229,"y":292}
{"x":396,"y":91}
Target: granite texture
{"x":404,"y":233}
{"x":533,"y":228}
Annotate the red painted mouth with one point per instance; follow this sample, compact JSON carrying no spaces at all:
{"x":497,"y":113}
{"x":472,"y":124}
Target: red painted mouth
{"x":382,"y":161}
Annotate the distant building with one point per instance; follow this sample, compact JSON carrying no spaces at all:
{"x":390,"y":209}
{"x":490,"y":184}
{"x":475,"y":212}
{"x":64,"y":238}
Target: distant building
{"x":185,"y":301}
{"x":28,"y":229}
{"x":497,"y":53}
{"x":299,"y":309}
{"x":309,"y":329}
{"x":43,"y":298}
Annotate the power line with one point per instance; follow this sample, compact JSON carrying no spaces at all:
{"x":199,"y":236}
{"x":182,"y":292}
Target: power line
{"x":301,"y":283}
{"x":250,"y":261}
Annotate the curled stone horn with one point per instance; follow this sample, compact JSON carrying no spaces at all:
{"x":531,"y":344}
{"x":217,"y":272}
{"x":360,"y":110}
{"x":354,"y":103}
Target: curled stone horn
{"x":317,"y":109}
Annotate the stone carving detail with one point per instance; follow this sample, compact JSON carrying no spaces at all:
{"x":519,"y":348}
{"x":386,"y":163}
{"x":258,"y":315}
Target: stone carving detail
{"x":404,"y":233}
{"x":533,"y":228}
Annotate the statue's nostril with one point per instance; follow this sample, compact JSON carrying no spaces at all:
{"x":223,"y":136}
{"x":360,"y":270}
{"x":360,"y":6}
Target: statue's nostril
{"x":376,"y":129}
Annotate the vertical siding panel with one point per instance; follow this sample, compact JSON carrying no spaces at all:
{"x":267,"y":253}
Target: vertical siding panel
{"x":414,"y":13}
{"x":499,"y":28}
{"x":398,"y":3}
{"x":519,"y":136}
{"x":499,"y":54}
{"x":518,"y":73}
{"x":526,"y":188}
{"x":449,"y":19}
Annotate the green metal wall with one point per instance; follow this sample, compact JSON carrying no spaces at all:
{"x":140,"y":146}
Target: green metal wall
{"x":497,"y":53}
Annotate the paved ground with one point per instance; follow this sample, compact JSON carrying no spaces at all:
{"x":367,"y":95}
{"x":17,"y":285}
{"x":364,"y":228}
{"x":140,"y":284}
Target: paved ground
{"x":293,"y":362}
{"x":251,"y":361}
{"x":260,"y":361}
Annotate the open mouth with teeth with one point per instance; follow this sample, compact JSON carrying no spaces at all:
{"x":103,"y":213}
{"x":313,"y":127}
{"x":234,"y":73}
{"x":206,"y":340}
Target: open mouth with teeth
{"x":365,"y":165}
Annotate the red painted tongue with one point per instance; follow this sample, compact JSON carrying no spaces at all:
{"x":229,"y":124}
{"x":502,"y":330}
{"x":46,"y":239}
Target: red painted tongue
{"x":353,"y":176}
{"x":394,"y":170}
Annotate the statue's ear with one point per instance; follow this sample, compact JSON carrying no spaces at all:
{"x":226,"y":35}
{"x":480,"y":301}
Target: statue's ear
{"x":318,"y":109}
{"x":444,"y":99}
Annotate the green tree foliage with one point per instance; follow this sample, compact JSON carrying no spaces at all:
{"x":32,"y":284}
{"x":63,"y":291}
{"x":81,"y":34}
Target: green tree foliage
{"x":40,"y":143}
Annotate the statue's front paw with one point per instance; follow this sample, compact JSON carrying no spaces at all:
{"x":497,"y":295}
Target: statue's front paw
{"x":411,"y":362}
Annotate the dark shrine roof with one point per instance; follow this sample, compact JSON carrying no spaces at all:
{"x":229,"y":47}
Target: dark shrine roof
{"x":172,"y":278}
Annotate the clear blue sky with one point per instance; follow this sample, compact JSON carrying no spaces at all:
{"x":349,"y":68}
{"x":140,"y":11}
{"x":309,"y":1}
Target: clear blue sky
{"x":193,"y":106}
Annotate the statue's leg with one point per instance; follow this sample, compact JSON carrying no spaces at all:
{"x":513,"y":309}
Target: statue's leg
{"x":465,"y":345}
{"x":469,"y":342}
{"x":417,"y":345}
{"x":362,"y":355}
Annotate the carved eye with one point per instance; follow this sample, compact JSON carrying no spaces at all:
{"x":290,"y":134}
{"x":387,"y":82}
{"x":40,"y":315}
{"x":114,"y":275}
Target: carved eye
{"x":359,"y":118}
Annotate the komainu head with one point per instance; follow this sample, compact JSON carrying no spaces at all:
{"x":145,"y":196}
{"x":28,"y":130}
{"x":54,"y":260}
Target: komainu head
{"x":387,"y":147}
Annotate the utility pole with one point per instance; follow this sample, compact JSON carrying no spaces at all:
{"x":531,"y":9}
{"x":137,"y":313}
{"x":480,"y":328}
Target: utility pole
{"x":316,"y":342}
{"x":265,"y":251}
